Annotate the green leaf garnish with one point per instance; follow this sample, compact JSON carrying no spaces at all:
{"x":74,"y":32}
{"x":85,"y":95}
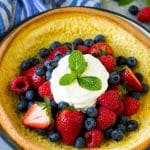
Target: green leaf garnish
{"x":90,"y":83}
{"x":124,"y":2}
{"x":67,"y":79}
{"x":77,"y":62}
{"x":78,"y":65}
{"x":148,"y":2}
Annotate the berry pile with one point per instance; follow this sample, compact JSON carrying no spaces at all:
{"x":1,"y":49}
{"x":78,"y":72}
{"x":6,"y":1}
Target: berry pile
{"x":108,"y":119}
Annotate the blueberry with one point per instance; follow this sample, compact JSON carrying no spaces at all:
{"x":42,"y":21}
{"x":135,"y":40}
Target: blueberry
{"x":22,"y":97}
{"x":48,"y":75}
{"x":41,"y":132}
{"x":131,"y":62}
{"x":117,"y":135}
{"x":132,"y":125}
{"x":99,"y":38}
{"x":48,"y":65}
{"x":114,"y":78}
{"x":54,"y":136}
{"x":122,"y":127}
{"x":122,"y":119}
{"x":55,"y":44}
{"x":147,"y":148}
{"x":88,"y":42}
{"x":58,"y":57}
{"x":145,"y":88}
{"x":54,"y":64}
{"x":80,"y":142}
{"x":30,"y":103}
{"x":54,"y":106}
{"x":40,"y":71}
{"x":121,"y":60}
{"x":91,"y":112}
{"x":135,"y":95}
{"x":108,"y":132}
{"x":44,"y":52}
{"x":68,"y":52}
{"x":22,"y":105}
{"x":89,"y":123}
{"x":34,"y":61}
{"x":77,"y":41}
{"x":139,"y":76}
{"x":62,"y":105}
{"x":30,"y":95}
{"x":25,"y":65}
{"x":68,"y":45}
{"x":133,"y":10}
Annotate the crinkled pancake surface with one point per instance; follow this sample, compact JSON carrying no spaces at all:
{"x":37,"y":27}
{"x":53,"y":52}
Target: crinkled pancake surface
{"x":65,"y":25}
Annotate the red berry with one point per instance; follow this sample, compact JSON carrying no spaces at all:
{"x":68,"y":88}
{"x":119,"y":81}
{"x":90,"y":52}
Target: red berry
{"x":58,"y":50}
{"x":36,"y":117}
{"x":45,"y":90}
{"x":99,"y":48}
{"x":131,"y":106}
{"x":69,"y":124}
{"x":144,"y":14}
{"x":109,"y":99}
{"x":93,"y":138}
{"x":105,"y":118}
{"x":109,"y":62}
{"x":130,"y":79}
{"x":120,"y":109}
{"x":83,"y":49}
{"x":20,"y":84}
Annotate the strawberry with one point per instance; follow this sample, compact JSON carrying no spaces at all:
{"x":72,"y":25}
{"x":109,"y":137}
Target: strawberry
{"x":130,"y":79}
{"x":69,"y":124}
{"x":45,"y":90}
{"x":58,"y":50}
{"x":20,"y":84}
{"x":109,"y":99}
{"x":120,"y":109}
{"x":109,"y":62}
{"x":83,"y":49}
{"x":37,"y":116}
{"x":144,"y":14}
{"x":99,"y":48}
{"x":93,"y":138}
{"x":131,"y":106}
{"x":105,"y":118}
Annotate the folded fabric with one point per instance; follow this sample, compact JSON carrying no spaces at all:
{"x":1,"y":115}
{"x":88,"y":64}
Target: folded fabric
{"x":13,"y":12}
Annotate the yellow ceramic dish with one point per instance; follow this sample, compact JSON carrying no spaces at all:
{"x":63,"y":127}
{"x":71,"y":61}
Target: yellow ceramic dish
{"x":63,"y":25}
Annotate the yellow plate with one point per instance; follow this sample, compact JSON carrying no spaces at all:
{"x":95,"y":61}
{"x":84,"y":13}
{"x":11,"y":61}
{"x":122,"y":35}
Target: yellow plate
{"x":64,"y":25}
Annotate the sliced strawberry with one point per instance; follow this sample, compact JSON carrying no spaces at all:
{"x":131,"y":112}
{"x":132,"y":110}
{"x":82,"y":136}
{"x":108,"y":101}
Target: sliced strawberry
{"x":83,"y":49}
{"x":99,"y":48}
{"x":36,"y":117}
{"x":130,"y":79}
{"x":144,"y":14}
{"x":59,"y":50}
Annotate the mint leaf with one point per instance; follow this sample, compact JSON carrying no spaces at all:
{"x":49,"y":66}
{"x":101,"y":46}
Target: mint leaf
{"x":77,"y":62}
{"x":124,"y":2}
{"x":90,"y":83}
{"x":67,"y":79}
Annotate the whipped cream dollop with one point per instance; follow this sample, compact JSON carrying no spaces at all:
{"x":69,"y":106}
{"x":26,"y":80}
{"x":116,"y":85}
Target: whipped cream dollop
{"x":73,"y":93}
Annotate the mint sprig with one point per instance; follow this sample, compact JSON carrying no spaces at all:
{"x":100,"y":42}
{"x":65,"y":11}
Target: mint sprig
{"x":78,"y":65}
{"x":90,"y":83}
{"x":124,"y":2}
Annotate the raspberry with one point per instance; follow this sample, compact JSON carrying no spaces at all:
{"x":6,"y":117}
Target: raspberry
{"x":120,"y":109}
{"x":45,"y":91}
{"x":93,"y":138}
{"x":131,"y":106}
{"x":20,"y":84}
{"x":109,"y":99}
{"x":109,"y":62}
{"x":105,"y":118}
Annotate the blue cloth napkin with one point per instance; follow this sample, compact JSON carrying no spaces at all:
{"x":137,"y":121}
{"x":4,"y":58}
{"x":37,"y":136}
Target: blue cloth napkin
{"x":13,"y":12}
